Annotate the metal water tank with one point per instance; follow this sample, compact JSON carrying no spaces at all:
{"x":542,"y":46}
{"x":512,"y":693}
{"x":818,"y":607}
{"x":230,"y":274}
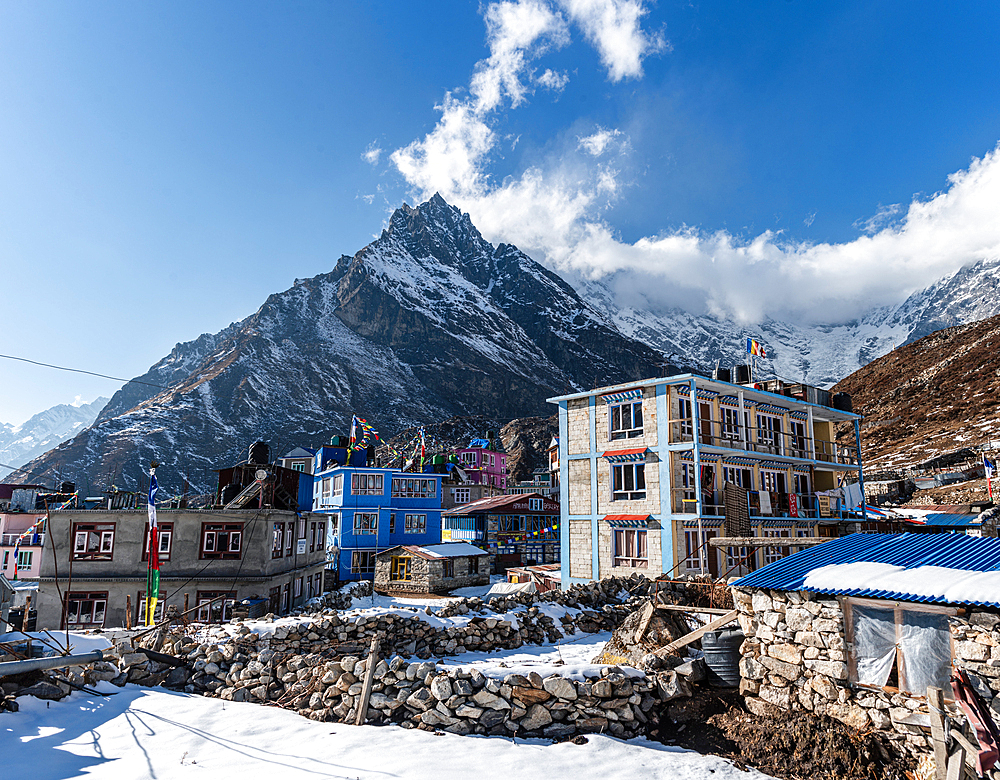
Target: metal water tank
{"x":722,"y":656}
{"x":721,"y":374}
{"x":259,"y":453}
{"x":68,"y":487}
{"x":741,"y":375}
{"x":842,"y":402}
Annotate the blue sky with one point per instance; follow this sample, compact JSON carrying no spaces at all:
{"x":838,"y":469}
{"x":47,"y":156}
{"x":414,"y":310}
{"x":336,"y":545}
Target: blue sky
{"x":165,"y":167}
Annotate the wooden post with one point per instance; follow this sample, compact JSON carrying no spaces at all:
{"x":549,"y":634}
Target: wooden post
{"x":935,"y":707}
{"x":128,"y":612}
{"x":183,"y":614}
{"x":366,"y":689}
{"x":24,"y":617}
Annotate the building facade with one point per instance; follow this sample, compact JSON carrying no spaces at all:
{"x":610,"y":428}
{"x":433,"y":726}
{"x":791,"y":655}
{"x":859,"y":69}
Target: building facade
{"x":644,"y":469}
{"x":22,"y":541}
{"x":484,"y":464}
{"x":516,"y":530}
{"x":437,"y":568}
{"x":226,"y":556}
{"x":373,"y":509}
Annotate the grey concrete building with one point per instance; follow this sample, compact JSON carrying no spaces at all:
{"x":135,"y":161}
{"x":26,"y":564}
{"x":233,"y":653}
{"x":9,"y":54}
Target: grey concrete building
{"x":94,"y":571}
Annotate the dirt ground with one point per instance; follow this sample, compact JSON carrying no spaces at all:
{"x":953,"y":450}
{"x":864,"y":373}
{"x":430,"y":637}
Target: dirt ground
{"x":794,"y":746}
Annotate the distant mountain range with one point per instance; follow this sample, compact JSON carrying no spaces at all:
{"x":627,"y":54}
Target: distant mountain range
{"x":22,"y":443}
{"x":431,"y":321}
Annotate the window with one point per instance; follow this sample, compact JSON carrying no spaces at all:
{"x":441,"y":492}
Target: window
{"x":140,"y":607}
{"x":468,"y":458}
{"x":801,"y":484}
{"x":309,"y":587}
{"x":687,"y":421}
{"x":289,"y":536}
{"x":6,"y":559}
{"x":769,"y":432}
{"x":400,"y":567}
{"x":730,"y":424}
{"x":448,"y":569}
{"x":367,"y":484}
{"x":630,"y":548}
{"x":334,"y":523}
{"x":285,"y":594}
{"x":688,"y":484}
{"x":414,"y":488}
{"x":628,"y":482}
{"x":535,"y":504}
{"x":365,"y":523}
{"x":362,"y":562}
{"x":297,"y":591}
{"x":798,"y":438}
{"x":740,"y":556}
{"x":315,"y":536}
{"x":738,"y":476}
{"x":276,"y":540}
{"x":221,"y":540}
{"x":86,"y":610}
{"x":24,"y":558}
{"x":326,"y":487}
{"x":392,"y":522}
{"x":215,"y":606}
{"x":511,"y":524}
{"x":772,"y":481}
{"x":164,"y":536}
{"x":772,"y":554}
{"x":274,"y":599}
{"x":462,"y":495}
{"x":93,"y":542}
{"x":626,"y":420}
{"x":474,"y":565}
{"x":892,"y":646}
{"x":299,"y":466}
{"x":416,"y":524}
{"x":337,"y":485}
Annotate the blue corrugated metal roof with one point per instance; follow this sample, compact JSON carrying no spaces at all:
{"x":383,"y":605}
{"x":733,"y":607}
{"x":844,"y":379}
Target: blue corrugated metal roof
{"x":953,"y":551}
{"x":941,"y":519}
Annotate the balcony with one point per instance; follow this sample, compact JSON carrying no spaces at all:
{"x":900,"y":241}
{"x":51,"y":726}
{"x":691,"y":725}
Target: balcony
{"x":764,"y":441}
{"x":683,"y":501}
{"x":10,"y":540}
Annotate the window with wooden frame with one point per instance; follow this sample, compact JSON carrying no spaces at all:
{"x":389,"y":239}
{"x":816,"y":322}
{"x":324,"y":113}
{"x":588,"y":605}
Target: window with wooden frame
{"x":474,"y":565}
{"x":164,"y":537}
{"x":221,"y":540}
{"x":415,"y":524}
{"x":298,"y":588}
{"x":400,"y":568}
{"x":630,"y":548}
{"x":274,"y":599}
{"x":625,"y":420}
{"x":362,"y":562}
{"x":289,"y":537}
{"x":215,"y":606}
{"x":448,"y":569}
{"x":367,"y":484}
{"x":365,"y":523}
{"x":140,"y":611}
{"x":285,"y":593}
{"x":628,"y":482}
{"x":898,"y":645}
{"x":309,"y":587}
{"x":276,"y":540}
{"x":93,"y":541}
{"x":86,"y":610}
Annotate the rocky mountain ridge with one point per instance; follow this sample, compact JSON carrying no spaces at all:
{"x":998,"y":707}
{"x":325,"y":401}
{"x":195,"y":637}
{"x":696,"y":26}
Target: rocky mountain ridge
{"x":22,"y":443}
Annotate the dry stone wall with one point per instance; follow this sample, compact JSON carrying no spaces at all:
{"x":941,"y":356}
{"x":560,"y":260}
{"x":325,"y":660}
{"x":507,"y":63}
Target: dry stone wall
{"x":794,"y":657}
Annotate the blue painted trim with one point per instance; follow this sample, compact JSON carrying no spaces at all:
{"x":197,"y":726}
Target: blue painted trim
{"x":564,"y":494}
{"x":666,"y":521}
{"x":595,"y":554}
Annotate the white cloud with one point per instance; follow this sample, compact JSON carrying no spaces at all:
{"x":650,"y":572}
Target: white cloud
{"x":884,"y":217}
{"x":372,"y":153}
{"x":597,"y":143}
{"x":809,"y":220}
{"x":554,"y":81}
{"x":613,"y":27}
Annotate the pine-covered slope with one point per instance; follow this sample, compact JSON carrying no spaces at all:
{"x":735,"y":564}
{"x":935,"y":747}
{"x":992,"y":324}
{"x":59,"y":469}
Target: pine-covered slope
{"x":427,"y":322}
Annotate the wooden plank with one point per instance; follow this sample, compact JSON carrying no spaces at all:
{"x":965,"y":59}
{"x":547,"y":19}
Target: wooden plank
{"x":935,"y":705}
{"x":956,"y":764}
{"x":647,"y":615}
{"x":366,"y":689}
{"x":766,"y":541}
{"x":687,"y":639}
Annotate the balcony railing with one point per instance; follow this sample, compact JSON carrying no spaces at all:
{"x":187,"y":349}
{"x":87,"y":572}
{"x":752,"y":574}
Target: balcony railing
{"x":765,"y":441}
{"x":10,"y":540}
{"x":807,"y":504}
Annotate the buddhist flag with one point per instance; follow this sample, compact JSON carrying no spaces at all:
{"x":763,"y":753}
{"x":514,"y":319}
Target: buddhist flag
{"x":153,"y":576}
{"x":755,"y":348}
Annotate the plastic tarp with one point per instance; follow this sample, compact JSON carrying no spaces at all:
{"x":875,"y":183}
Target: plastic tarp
{"x":926,"y":645}
{"x":509,"y":588}
{"x":874,"y":643}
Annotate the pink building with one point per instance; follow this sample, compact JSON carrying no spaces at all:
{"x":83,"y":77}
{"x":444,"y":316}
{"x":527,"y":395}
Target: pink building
{"x":484,"y":465}
{"x":13,"y":526}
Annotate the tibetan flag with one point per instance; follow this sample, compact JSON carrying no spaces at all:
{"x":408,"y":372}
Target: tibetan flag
{"x":153,"y":578}
{"x":755,"y":348}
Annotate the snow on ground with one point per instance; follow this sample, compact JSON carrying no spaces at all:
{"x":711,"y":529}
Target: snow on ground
{"x":146,"y":734}
{"x":78,"y":642}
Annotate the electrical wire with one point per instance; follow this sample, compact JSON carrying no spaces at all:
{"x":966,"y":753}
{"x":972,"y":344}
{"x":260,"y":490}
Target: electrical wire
{"x":83,"y":371}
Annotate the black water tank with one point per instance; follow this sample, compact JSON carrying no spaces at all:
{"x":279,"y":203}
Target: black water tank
{"x":722,"y":656}
{"x":742,"y":374}
{"x":229,"y":492}
{"x":723,"y":374}
{"x":260,"y":453}
{"x":842,"y":402}
{"x":68,"y":487}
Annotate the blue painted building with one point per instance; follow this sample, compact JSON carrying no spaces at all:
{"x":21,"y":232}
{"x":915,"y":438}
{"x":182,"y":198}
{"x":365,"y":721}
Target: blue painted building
{"x":371,"y":510}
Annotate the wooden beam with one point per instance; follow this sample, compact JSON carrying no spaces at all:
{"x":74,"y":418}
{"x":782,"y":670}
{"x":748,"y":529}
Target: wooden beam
{"x":766,"y":541}
{"x":366,"y":688}
{"x":935,"y":706}
{"x":687,"y":639}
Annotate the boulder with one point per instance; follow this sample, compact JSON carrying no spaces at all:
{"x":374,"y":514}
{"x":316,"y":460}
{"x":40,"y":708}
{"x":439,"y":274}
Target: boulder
{"x":536,"y":718}
{"x":560,"y":687}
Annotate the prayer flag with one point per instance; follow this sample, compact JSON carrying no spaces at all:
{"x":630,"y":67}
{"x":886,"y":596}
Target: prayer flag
{"x":755,"y":348}
{"x":153,"y":578}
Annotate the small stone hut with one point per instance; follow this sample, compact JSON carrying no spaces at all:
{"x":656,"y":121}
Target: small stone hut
{"x":859,"y":627}
{"x":435,"y":568}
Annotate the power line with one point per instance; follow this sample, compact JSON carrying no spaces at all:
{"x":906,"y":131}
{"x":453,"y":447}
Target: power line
{"x":82,"y":371}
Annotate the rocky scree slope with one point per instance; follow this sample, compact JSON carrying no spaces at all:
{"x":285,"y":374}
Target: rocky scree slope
{"x":427,"y":322}
{"x":929,"y":397}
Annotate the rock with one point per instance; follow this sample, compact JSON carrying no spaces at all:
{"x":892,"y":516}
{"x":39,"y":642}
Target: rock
{"x":557,"y":730}
{"x":420,"y":699}
{"x":530,"y":695}
{"x":779,"y":697}
{"x":560,"y":687}
{"x":469,"y":711}
{"x":790,"y":654}
{"x":441,"y":688}
{"x":592,"y":725}
{"x":177,"y":678}
{"x":536,"y":718}
{"x":129,"y":660}
{"x":603,"y":689}
{"x":435,"y":718}
{"x":672,"y":685}
{"x":491,"y":718}
{"x":787,"y":671}
{"x":694,"y":670}
{"x":761,"y":708}
{"x":824,"y":687}
{"x":44,"y":690}
{"x":752,"y":669}
{"x":972,"y":651}
{"x":761,"y":602}
{"x":798,"y":619}
{"x":835,"y":669}
{"x":490,"y":701}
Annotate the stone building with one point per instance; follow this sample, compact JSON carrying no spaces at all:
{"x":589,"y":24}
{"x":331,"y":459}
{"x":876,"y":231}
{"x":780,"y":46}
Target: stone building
{"x":644,"y":470}
{"x":858,"y":628}
{"x":94,"y":572}
{"x":435,"y":568}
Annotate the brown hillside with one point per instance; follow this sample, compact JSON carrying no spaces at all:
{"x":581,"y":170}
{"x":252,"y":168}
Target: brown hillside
{"x":929,"y":397}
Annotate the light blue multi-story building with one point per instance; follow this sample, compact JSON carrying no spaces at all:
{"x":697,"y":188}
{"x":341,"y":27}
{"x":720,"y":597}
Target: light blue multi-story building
{"x":372,"y":509}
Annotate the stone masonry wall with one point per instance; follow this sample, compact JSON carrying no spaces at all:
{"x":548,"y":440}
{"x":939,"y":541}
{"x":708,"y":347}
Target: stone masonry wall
{"x":794,"y":657}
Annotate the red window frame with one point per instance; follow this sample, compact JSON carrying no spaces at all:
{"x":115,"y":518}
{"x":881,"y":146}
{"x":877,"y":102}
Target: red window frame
{"x":82,"y":599}
{"x":102,"y":552}
{"x":161,"y":529}
{"x":230,"y":530}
